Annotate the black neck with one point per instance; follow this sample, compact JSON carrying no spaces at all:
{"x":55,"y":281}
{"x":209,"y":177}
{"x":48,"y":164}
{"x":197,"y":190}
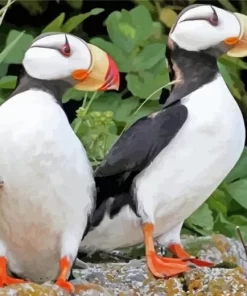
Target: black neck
{"x":194,"y":69}
{"x":56,"y":88}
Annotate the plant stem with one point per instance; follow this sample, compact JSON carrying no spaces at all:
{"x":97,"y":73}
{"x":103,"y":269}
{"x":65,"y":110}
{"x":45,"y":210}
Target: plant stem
{"x":174,"y":7}
{"x":84,"y":100}
{"x":4,"y":9}
{"x":242,"y":240}
{"x":90,"y":102}
{"x":147,"y":99}
{"x":124,"y":92}
{"x":77,"y":125}
{"x":157,"y":5}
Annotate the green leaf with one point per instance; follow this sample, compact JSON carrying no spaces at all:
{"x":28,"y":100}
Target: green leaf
{"x":10,"y":46}
{"x":157,"y":31}
{"x":238,"y":191}
{"x":225,"y":72}
{"x":142,"y":21}
{"x":149,"y":108}
{"x":8,"y":82}
{"x":110,"y":140}
{"x":149,"y":56}
{"x":3,"y":69}
{"x":96,"y":11}
{"x":201,"y":219}
{"x":34,"y":7}
{"x":238,"y":220}
{"x":123,"y":62}
{"x":239,"y":170}
{"x":73,"y":22}
{"x":144,"y":84}
{"x":112,"y":102}
{"x":72,"y":94}
{"x":226,"y":4}
{"x":167,"y":16}
{"x":217,"y":202}
{"x":223,"y":226}
{"x":127,"y":29}
{"x":243,"y":5}
{"x":76,"y":4}
{"x":55,"y":25}
{"x":16,"y":53}
{"x":232,"y":62}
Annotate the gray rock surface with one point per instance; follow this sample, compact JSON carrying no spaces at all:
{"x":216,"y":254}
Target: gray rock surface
{"x":105,"y":274}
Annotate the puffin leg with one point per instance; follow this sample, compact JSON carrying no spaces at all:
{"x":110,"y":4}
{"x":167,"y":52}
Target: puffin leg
{"x":61,"y":281}
{"x":160,"y":266}
{"x":178,"y":251}
{"x":171,"y":240}
{"x":5,"y":279}
{"x":70,"y":245}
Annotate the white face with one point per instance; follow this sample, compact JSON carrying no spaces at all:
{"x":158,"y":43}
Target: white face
{"x":203,"y":27}
{"x":60,"y":56}
{"x":47,"y":58}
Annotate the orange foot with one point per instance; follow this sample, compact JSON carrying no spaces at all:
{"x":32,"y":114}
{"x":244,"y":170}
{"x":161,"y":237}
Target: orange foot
{"x":6,"y":280}
{"x":65,"y":285}
{"x":178,"y":251}
{"x":160,"y":266}
{"x":165,"y":267}
{"x":61,"y":281}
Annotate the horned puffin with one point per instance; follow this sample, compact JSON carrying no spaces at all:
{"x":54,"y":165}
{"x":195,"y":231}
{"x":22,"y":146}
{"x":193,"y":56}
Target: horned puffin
{"x":48,"y":188}
{"x":168,"y":163}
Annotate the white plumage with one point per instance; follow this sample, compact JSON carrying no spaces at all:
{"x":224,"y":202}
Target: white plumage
{"x":48,"y":186}
{"x":183,"y":175}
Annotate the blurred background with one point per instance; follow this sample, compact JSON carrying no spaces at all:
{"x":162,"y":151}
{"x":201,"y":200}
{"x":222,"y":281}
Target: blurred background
{"x":134,"y":33}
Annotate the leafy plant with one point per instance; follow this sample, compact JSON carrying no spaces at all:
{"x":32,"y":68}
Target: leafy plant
{"x":136,"y":40}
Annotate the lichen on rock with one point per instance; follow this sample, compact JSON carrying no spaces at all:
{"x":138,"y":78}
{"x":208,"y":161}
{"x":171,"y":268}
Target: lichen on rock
{"x":111,"y":275}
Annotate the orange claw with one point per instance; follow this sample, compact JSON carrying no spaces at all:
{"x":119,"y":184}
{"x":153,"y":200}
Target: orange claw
{"x":6,"y":280}
{"x":178,"y":251}
{"x":160,"y":266}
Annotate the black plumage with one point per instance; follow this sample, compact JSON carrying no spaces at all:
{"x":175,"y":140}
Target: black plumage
{"x":132,"y":153}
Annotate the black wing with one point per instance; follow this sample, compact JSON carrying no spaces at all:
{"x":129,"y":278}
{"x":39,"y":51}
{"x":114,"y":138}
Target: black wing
{"x":143,"y":141}
{"x":132,"y":153}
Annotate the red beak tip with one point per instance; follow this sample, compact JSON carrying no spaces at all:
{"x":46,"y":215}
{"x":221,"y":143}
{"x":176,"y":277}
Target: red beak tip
{"x":112,"y":79}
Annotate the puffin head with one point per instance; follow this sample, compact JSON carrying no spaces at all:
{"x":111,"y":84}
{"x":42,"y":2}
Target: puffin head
{"x":212,"y":29}
{"x":60,"y":56}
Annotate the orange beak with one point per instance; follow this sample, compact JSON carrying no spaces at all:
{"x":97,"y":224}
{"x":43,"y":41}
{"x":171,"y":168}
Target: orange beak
{"x":102,"y":75}
{"x":239,"y":43}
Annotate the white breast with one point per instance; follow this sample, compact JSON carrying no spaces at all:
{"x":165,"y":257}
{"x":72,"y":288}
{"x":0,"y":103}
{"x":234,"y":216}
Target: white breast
{"x":185,"y":173}
{"x":48,"y":183}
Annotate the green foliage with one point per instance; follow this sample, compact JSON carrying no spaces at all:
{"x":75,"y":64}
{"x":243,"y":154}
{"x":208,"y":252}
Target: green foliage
{"x":136,"y":40}
{"x":58,"y":25}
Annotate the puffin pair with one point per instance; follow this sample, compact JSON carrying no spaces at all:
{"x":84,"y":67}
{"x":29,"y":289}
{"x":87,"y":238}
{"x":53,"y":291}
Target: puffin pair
{"x":168,"y":163}
{"x":47,"y":188}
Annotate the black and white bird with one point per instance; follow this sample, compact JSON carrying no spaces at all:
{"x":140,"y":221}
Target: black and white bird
{"x":48,"y":189}
{"x":168,"y":163}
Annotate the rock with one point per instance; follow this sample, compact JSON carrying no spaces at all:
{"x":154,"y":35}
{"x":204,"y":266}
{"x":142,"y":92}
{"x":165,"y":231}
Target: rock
{"x":112,"y":276}
{"x":216,"y":281}
{"x":217,"y":248}
{"x":96,"y":276}
{"x":31,"y":289}
{"x":117,"y":277}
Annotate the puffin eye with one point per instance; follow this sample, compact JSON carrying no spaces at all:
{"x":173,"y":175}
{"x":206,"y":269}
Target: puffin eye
{"x":214,"y":20}
{"x":65,"y":50}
